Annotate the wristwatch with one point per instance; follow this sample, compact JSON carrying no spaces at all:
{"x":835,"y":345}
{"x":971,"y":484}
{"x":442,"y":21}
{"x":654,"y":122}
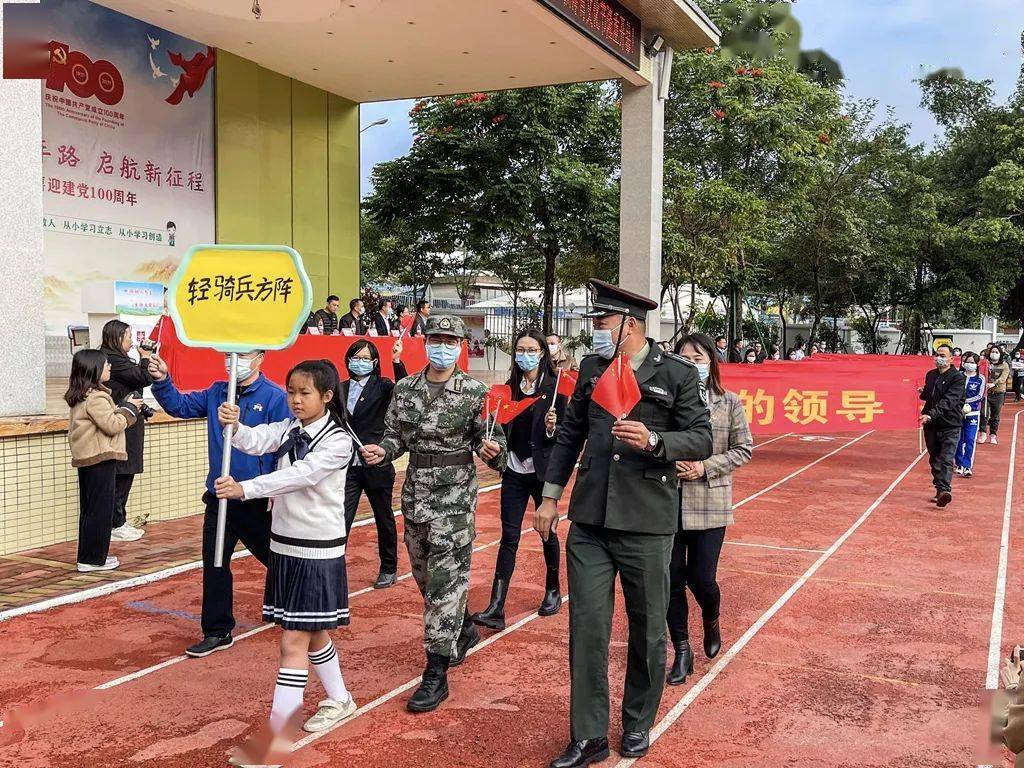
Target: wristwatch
{"x":653,"y":442}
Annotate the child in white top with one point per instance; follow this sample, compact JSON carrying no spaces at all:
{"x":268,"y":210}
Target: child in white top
{"x":306,"y":589}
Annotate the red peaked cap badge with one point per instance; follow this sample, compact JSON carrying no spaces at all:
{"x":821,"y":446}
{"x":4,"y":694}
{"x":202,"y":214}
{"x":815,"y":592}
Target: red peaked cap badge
{"x":617,"y":390}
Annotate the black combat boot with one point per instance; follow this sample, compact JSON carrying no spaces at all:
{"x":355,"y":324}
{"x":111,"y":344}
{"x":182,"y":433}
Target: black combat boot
{"x":468,"y":637}
{"x":682,"y":665}
{"x":581,"y":753}
{"x":552,"y":595}
{"x":434,"y":687}
{"x":712,"y":638}
{"x":493,"y":616}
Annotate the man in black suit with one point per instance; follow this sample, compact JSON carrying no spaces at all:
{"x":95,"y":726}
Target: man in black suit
{"x":366,"y":396}
{"x":382,"y":318}
{"x":736,"y":352}
{"x":944,"y":393}
{"x":355,"y":319}
{"x":419,"y":323}
{"x":327,"y":318}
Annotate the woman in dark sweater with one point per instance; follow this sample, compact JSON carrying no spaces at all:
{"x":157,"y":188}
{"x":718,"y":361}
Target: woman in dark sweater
{"x":531,"y":436}
{"x":127,"y":379}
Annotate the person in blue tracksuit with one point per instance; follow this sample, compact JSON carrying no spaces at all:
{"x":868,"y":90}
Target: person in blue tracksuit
{"x":972,"y":414}
{"x":261,"y":402}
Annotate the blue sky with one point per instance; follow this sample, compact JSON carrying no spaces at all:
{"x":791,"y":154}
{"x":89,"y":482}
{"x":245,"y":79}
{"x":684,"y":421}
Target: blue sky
{"x":883,"y":45}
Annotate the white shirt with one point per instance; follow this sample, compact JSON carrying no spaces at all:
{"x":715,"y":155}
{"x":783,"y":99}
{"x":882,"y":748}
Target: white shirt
{"x":309,"y":495}
{"x":355,"y":389}
{"x":798,"y":354}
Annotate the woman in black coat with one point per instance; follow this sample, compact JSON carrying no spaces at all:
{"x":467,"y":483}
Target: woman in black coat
{"x":366,"y":397}
{"x":531,"y":436}
{"x":126,"y":377}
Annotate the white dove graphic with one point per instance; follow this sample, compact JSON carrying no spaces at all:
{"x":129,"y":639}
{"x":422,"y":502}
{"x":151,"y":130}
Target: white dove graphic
{"x":152,"y":43}
{"x":157,"y":72}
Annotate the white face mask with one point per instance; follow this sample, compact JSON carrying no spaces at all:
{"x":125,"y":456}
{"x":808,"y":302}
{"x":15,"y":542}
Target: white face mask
{"x":244,"y":369}
{"x":970,"y":367}
{"x":553,"y":349}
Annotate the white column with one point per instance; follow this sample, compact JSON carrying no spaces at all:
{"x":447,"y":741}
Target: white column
{"x":22,"y":335}
{"x":643,"y":153}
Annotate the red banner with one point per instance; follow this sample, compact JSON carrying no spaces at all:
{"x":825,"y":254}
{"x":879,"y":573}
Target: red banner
{"x":813,"y":397}
{"x":193,"y":368}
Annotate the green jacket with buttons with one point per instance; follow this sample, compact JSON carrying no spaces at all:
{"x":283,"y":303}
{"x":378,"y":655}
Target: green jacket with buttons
{"x":617,"y":486}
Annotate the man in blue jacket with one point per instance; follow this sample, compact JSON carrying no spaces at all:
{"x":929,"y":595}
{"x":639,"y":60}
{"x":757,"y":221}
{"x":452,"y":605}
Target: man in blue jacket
{"x":261,"y":402}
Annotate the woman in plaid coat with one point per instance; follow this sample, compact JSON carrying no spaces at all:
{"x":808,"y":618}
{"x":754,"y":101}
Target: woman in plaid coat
{"x":705,"y":505}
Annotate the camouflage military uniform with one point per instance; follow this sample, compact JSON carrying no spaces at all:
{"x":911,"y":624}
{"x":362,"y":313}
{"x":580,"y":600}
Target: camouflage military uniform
{"x":439,"y":502}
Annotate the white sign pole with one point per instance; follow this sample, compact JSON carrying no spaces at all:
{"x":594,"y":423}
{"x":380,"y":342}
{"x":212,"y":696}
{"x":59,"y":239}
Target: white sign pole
{"x":225,"y":466}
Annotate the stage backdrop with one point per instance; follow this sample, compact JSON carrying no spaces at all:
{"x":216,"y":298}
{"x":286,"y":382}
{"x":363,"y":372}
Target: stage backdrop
{"x":127,"y":150}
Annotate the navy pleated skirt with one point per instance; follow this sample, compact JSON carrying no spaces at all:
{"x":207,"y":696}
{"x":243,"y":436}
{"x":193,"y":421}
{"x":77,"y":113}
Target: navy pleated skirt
{"x":307,"y":595}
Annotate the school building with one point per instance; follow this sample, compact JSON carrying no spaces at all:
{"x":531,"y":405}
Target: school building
{"x":137,"y":128}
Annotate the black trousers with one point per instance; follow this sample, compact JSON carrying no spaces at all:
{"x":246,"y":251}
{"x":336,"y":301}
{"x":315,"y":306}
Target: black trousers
{"x":121,"y":491}
{"x":1018,"y":384}
{"x":96,"y":488}
{"x":694,"y":565}
{"x":248,"y":521}
{"x":516,"y":491}
{"x":941,"y":444}
{"x":991,"y":415}
{"x":383,"y":515}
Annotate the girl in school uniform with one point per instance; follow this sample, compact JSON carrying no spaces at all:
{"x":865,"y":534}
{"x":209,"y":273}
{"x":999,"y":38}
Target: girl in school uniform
{"x":972,"y":414}
{"x":306,"y":590}
{"x":96,"y":428}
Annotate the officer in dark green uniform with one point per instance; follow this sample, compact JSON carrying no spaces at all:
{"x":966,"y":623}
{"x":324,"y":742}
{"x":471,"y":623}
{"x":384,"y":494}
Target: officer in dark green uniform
{"x":624,"y":512}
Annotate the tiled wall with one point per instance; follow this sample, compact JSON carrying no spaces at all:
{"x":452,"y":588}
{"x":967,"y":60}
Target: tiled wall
{"x":39,"y":488}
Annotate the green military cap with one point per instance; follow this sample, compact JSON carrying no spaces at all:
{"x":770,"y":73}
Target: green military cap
{"x":446,"y":325}
{"x":608,"y":299}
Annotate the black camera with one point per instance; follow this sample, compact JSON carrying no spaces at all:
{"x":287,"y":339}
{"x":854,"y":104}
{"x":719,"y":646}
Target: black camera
{"x":145,"y":411}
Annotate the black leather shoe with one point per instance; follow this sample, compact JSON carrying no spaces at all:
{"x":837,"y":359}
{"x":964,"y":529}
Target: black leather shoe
{"x":209,"y":644}
{"x":493,"y":616}
{"x":712,"y":638}
{"x":552,"y":601}
{"x":385,"y":580}
{"x":943,"y":499}
{"x":635,"y":743}
{"x":434,"y":687}
{"x":469,"y":637}
{"x":682,"y":665}
{"x":580,"y":753}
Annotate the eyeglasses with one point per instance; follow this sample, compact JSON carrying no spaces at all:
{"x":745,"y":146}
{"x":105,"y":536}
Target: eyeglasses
{"x":522,"y":351}
{"x":450,"y":343}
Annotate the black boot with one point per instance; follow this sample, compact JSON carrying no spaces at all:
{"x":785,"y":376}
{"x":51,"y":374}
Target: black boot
{"x":552,"y":601}
{"x":434,"y":687}
{"x":682,"y":665}
{"x":468,"y":637}
{"x":580,"y":753}
{"x":712,"y":638}
{"x":493,"y":617}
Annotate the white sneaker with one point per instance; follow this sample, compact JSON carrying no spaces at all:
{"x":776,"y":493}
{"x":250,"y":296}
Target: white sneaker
{"x":994,"y":440}
{"x":968,"y":473}
{"x":126,"y":532}
{"x":110,"y":565}
{"x":983,"y":437}
{"x":329,"y":714}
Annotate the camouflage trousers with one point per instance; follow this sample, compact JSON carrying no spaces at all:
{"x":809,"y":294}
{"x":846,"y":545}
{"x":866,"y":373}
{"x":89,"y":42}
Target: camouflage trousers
{"x":439,"y":553}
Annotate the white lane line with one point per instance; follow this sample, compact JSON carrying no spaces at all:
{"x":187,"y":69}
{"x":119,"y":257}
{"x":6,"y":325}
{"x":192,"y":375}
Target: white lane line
{"x":383,"y":699}
{"x":766,"y":442}
{"x":681,"y":706}
{"x":137,"y":581}
{"x":802,"y":469}
{"x":262,"y":628}
{"x":995,"y":639}
{"x":772,"y":546}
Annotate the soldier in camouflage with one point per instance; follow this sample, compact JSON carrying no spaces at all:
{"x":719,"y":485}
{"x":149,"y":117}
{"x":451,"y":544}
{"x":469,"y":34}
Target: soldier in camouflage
{"x":437,"y":417}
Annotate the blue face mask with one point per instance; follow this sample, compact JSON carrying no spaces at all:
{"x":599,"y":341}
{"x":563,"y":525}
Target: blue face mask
{"x":703,"y":370}
{"x":528,"y":361}
{"x":604,"y":343}
{"x":359,"y":367}
{"x":442,"y":357}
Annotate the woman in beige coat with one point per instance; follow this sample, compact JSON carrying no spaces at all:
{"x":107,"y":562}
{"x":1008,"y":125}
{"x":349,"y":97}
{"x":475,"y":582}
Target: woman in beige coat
{"x":705,"y":497}
{"x":96,"y":429}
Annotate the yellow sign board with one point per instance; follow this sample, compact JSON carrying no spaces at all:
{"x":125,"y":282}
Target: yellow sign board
{"x":237,"y":298}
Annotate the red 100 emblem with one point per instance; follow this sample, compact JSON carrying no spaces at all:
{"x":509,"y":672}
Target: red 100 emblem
{"x":83,"y":76}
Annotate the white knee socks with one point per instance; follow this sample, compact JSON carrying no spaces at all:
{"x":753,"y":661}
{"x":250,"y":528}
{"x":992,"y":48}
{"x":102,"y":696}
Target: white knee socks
{"x":291,"y":685}
{"x":325,"y":662}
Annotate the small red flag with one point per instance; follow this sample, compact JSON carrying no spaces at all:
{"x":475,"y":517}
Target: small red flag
{"x":496,"y":397}
{"x":406,"y":323}
{"x":617,"y":390}
{"x":983,"y":367}
{"x":509,"y":410}
{"x":567,"y":382}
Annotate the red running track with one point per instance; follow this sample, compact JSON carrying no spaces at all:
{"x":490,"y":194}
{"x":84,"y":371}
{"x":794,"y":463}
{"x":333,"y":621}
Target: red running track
{"x":874,"y":658}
